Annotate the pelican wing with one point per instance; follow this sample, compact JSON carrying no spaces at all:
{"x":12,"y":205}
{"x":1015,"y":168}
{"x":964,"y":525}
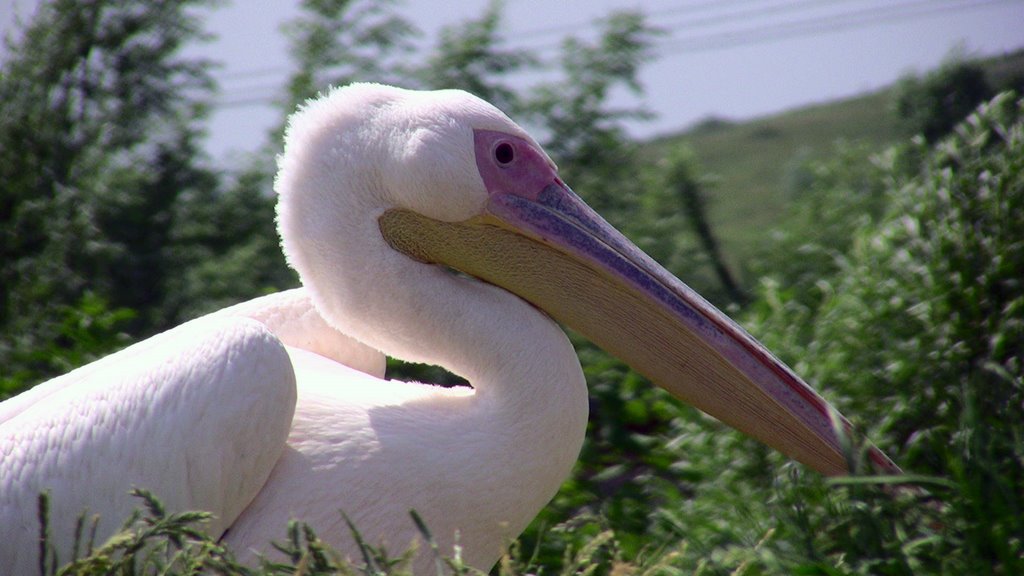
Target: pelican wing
{"x":198,"y":414}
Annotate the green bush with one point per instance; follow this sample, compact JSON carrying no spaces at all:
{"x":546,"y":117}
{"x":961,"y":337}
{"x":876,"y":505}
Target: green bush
{"x":931,"y":106}
{"x":922,"y":334}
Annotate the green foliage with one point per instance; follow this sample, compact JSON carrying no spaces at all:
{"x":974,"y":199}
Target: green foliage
{"x":929,"y":320}
{"x":226,"y":246}
{"x":337,"y":42}
{"x":690,"y":195}
{"x":922,"y":317}
{"x":942,"y":274}
{"x":79,"y":333}
{"x":155,"y":541}
{"x":149,"y":542}
{"x":97,"y":143}
{"x":933,"y":105}
{"x":470,"y":57}
{"x":830,"y":199}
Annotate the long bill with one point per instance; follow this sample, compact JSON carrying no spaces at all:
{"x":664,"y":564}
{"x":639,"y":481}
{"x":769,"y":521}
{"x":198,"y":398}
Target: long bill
{"x":551,"y":249}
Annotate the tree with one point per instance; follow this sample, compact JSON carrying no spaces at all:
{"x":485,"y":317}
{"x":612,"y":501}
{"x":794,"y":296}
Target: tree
{"x":97,"y":141}
{"x":681,"y":179}
{"x":933,"y":105}
{"x":469,"y":57}
{"x":337,"y":42}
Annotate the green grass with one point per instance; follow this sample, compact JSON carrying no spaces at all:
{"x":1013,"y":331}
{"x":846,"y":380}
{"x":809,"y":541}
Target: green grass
{"x":155,"y":541}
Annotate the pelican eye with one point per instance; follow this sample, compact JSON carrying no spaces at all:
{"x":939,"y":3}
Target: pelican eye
{"x":504,"y":153}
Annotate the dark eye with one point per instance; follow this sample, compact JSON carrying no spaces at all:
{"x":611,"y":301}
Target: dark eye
{"x":504,"y":153}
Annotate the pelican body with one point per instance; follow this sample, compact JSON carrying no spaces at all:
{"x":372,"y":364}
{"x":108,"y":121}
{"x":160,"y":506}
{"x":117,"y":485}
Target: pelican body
{"x":277,"y":408}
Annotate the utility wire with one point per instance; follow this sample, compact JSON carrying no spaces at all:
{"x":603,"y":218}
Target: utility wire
{"x":823,"y":24}
{"x":561,"y":30}
{"x":754,"y":35}
{"x":762,"y":33}
{"x":720,"y":17}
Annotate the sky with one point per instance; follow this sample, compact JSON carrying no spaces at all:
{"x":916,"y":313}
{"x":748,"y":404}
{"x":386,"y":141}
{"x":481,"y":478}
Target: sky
{"x":734,"y":59}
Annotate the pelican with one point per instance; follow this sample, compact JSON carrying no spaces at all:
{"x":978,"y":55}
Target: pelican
{"x":430,"y":227}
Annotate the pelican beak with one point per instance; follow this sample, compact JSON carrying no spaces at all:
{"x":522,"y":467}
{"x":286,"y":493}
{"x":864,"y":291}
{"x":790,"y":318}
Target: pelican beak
{"x":539,"y":240}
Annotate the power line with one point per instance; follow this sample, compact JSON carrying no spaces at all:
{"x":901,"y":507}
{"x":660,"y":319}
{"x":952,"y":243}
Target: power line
{"x":824,"y":24}
{"x":761,"y":12}
{"x":762,"y":33}
{"x":753,"y":35}
{"x":254,"y":72}
{"x":245,"y":102}
{"x":561,"y":30}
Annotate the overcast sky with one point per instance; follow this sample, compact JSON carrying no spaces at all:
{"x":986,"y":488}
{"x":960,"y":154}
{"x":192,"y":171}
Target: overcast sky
{"x":736,"y":59}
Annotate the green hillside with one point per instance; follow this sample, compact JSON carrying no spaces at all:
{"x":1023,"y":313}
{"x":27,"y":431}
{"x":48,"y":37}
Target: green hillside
{"x":750,"y":163}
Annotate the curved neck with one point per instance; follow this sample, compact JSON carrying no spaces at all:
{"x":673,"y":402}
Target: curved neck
{"x":528,"y":413}
{"x":417,"y":312}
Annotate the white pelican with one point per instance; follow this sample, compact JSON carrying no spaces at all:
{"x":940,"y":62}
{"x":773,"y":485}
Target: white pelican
{"x":277,"y":408}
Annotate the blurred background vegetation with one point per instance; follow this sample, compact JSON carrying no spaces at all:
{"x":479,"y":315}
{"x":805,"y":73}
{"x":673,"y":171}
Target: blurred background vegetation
{"x":875,"y":244}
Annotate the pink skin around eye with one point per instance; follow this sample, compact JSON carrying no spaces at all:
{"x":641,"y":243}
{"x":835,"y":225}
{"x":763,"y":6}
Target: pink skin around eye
{"x":526,"y":175}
